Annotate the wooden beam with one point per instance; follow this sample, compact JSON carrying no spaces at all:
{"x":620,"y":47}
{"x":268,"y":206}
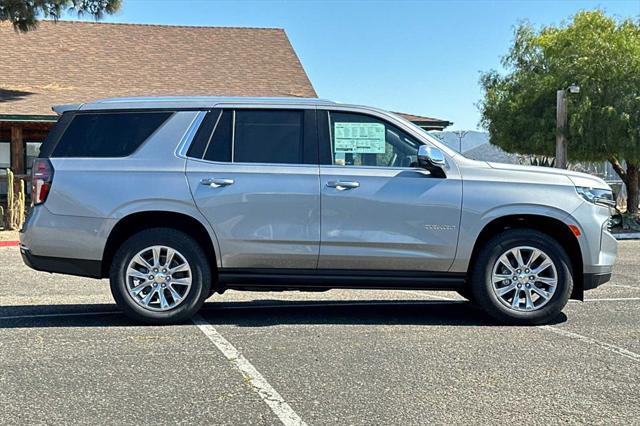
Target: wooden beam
{"x":17,"y":150}
{"x":27,"y":135}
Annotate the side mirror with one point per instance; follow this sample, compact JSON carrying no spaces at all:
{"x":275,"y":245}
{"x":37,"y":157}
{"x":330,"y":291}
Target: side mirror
{"x":432,"y":159}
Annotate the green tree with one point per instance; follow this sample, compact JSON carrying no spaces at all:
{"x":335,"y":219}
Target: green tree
{"x":24,"y":14}
{"x":601,"y":55}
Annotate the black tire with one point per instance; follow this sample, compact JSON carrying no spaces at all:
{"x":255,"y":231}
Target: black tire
{"x":481,"y":273}
{"x":192,"y":253}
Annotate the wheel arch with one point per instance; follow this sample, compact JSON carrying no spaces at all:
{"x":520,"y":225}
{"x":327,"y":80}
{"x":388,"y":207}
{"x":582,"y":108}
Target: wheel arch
{"x":141,"y":220}
{"x":550,"y":226}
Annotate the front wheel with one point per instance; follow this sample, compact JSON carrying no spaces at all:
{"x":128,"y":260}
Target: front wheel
{"x":522,"y":276}
{"x":160,"y":276}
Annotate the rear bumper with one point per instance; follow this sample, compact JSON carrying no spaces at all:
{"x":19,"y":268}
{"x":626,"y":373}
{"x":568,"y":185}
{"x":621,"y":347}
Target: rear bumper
{"x":79,"y":267}
{"x":61,"y":236}
{"x":592,"y":281}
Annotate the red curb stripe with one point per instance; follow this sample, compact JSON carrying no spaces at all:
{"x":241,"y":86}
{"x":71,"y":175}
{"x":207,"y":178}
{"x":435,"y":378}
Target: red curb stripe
{"x":9,"y":243}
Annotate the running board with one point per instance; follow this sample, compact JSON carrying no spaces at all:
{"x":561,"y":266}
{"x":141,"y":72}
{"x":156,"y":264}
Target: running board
{"x":348,"y":279}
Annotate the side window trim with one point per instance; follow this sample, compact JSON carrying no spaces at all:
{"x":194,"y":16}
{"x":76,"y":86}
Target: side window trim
{"x":330,"y":136}
{"x":233,"y":136}
{"x":324,"y":136}
{"x":190,"y":134}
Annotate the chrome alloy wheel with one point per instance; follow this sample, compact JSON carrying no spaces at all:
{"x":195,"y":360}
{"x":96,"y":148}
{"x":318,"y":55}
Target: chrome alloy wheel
{"x":524,"y":278}
{"x":158,"y":278}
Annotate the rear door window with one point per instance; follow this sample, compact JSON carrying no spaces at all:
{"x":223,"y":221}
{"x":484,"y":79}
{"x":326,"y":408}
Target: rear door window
{"x":113,"y":134}
{"x":268,"y":136}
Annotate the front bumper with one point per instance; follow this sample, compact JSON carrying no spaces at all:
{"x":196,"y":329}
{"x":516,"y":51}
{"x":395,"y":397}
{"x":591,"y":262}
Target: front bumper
{"x":591,"y":281}
{"x":598,"y":247}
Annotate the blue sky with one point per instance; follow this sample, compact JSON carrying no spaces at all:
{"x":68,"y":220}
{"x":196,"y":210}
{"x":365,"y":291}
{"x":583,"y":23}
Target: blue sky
{"x":422,"y":57}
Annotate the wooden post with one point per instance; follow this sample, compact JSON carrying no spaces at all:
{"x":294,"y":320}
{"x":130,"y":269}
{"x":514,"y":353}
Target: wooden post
{"x":561,"y":129}
{"x":17,"y":151}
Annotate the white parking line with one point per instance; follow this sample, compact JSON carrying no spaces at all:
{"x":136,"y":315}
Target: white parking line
{"x":612,"y":299}
{"x":608,"y":346}
{"x":268,"y":394}
{"x":433,"y":296}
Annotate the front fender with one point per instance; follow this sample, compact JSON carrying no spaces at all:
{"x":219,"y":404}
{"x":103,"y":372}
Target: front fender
{"x":474,"y":222}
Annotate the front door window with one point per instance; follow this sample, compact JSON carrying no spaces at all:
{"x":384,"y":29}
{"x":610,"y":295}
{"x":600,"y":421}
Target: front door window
{"x":361,"y":140}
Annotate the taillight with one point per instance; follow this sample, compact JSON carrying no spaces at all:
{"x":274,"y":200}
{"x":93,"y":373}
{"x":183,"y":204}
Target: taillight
{"x":41,"y":180}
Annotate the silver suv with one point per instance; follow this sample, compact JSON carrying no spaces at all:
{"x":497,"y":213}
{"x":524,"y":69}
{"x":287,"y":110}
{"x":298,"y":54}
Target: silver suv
{"x":174,"y":199}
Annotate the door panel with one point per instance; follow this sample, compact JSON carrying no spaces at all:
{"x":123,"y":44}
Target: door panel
{"x":393,"y":219}
{"x":264,"y":215}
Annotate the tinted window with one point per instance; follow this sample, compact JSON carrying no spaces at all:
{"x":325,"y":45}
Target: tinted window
{"x":108,"y":134}
{"x":54,"y":134}
{"x":362,"y":140}
{"x":268,"y":136}
{"x":203,"y":135}
{"x":218,"y":147}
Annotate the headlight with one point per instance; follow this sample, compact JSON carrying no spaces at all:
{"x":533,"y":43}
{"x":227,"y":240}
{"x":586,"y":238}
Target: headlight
{"x":603,"y":197}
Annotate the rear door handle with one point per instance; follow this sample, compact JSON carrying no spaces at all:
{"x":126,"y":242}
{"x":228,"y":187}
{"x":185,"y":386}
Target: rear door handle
{"x":216,"y":182}
{"x":341,"y":185}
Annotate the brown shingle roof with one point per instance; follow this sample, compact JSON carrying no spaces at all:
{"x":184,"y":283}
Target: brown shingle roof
{"x":71,"y":62}
{"x":421,"y":119}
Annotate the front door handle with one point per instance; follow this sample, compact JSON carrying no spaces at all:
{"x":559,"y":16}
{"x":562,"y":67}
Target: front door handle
{"x":341,"y":185}
{"x":216,"y":182}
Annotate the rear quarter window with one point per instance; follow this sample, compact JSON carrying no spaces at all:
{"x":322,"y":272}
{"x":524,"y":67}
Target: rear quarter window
{"x":116,"y":134}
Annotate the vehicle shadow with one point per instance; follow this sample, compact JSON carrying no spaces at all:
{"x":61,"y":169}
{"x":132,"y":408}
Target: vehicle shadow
{"x":265,"y":313}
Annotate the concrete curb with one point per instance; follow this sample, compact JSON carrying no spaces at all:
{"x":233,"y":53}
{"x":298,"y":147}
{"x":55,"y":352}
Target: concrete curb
{"x":9,"y":243}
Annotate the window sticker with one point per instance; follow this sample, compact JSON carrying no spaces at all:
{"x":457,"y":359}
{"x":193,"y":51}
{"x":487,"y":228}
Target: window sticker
{"x":359,"y":138}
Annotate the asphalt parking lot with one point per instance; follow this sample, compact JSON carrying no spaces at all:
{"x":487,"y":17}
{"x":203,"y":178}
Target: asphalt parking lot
{"x":340,"y":357}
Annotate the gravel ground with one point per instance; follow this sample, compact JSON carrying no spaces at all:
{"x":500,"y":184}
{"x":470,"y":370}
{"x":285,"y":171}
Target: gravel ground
{"x":340,"y":357}
{"x":8,"y":235}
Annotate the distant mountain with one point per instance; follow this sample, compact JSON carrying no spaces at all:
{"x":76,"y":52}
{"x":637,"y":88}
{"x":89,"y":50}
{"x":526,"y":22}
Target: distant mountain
{"x":476,"y":145}
{"x":469,"y":141}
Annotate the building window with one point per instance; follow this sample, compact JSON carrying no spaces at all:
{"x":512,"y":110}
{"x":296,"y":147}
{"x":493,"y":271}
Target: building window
{"x":5,"y":163}
{"x":5,"y":155}
{"x":32,"y":151}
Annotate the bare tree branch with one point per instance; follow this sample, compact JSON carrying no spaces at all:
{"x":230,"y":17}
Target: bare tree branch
{"x":618,"y":169}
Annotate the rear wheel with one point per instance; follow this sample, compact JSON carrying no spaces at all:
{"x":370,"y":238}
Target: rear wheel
{"x":522,"y":276}
{"x":160,"y":276}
